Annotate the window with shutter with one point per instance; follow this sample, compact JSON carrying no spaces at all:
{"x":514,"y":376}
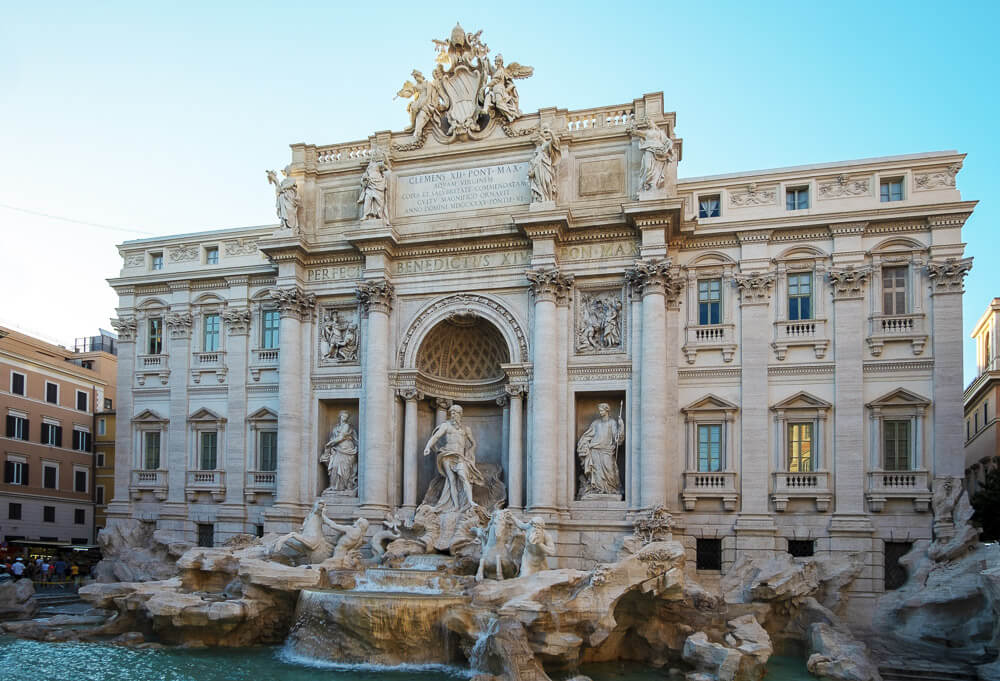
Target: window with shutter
{"x":79,"y":481}
{"x":51,"y":393}
{"x":58,"y":436}
{"x":49,"y":476}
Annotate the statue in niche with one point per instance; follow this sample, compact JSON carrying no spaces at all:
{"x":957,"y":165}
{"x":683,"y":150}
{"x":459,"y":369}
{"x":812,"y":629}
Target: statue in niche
{"x":598,"y":452}
{"x":456,"y":462}
{"x":600,"y":324}
{"x":542,"y":170}
{"x":657,"y":150}
{"x":286,"y":201}
{"x":340,"y":454}
{"x":373,"y":191}
{"x":340,"y":339}
{"x":538,"y":546}
{"x":501,"y":94}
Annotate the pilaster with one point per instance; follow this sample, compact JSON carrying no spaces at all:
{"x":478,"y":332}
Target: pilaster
{"x":234,"y":459}
{"x":376,"y":297}
{"x":179,"y":324}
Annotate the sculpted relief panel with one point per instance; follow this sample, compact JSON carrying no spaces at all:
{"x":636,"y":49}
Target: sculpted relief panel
{"x":599,"y":322}
{"x":338,"y":335}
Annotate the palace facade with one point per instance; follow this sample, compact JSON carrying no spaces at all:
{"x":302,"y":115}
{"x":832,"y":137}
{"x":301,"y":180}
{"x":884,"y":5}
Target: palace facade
{"x":783,"y":347}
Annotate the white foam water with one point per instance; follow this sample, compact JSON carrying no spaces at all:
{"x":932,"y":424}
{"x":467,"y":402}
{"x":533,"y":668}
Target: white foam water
{"x":289,"y":656}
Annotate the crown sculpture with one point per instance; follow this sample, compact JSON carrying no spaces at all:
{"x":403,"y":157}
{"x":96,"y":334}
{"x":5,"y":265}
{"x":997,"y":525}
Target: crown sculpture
{"x":467,"y":95}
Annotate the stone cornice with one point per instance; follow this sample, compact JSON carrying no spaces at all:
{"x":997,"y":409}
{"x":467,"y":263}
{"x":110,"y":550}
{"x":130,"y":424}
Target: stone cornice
{"x":848,"y":228}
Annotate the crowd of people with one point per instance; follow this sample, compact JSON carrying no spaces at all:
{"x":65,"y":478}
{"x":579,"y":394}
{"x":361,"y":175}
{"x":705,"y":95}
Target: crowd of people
{"x":44,"y":569}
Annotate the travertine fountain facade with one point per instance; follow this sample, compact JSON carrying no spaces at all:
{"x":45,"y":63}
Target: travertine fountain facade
{"x":774,"y":356}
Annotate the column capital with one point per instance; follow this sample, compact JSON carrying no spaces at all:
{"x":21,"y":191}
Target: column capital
{"x":410,"y":394}
{"x":655,"y":277}
{"x":849,"y":283}
{"x":755,"y":287}
{"x":501,"y":401}
{"x":549,"y":283}
{"x":179,"y":324}
{"x":237,"y":321}
{"x":376,"y":295}
{"x":443,"y":403}
{"x":125,"y":327}
{"x":948,"y":276}
{"x":516,"y":390}
{"x":292,"y":301}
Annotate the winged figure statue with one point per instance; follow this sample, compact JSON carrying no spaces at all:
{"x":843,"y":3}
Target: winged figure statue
{"x":501,"y":93}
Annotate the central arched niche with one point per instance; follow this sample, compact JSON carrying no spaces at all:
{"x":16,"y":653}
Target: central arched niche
{"x":460,"y":359}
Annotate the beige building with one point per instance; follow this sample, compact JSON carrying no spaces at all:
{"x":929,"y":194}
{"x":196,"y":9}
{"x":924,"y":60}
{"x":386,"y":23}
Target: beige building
{"x":104,"y":465}
{"x":49,"y":395}
{"x":982,"y":446}
{"x":783,"y":347}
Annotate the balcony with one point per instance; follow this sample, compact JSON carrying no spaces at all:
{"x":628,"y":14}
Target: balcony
{"x":888,"y":328}
{"x":212,"y":482}
{"x":804,"y":332}
{"x":885,"y":485}
{"x":260,"y":482}
{"x":715,"y":485}
{"x":147,"y":366}
{"x":710,"y":337}
{"x":262,"y":358}
{"x":213,"y":362}
{"x":813,"y":485}
{"x":152,"y":481}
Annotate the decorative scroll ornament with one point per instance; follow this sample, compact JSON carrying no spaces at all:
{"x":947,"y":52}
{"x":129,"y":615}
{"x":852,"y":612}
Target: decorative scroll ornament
{"x":466,"y":96}
{"x":376,"y":296}
{"x":949,"y":276}
{"x":237,"y":321}
{"x":938,"y":178}
{"x":125,"y":328}
{"x":755,"y":287}
{"x":293,"y":301}
{"x":752,"y":197}
{"x":179,"y":324}
{"x":849,"y":282}
{"x":549,"y":283}
{"x":843,"y":186}
{"x":654,"y":276}
{"x":286,"y":199}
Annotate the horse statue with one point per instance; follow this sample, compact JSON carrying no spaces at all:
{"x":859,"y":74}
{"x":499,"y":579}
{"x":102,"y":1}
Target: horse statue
{"x":494,"y":540}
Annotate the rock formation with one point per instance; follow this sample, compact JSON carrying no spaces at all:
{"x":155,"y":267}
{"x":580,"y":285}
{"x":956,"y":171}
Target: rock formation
{"x":135,"y":551}
{"x":16,"y":600}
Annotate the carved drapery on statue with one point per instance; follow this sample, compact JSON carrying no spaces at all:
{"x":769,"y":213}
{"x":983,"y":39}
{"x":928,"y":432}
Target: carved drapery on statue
{"x":340,"y":455}
{"x":286,"y":199}
{"x":657,"y":151}
{"x":598,"y":452}
{"x":374,"y":196}
{"x":542,"y":170}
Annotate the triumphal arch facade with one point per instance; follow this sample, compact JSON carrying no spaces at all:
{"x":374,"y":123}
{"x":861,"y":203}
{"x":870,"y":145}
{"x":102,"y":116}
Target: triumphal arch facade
{"x":774,"y":356}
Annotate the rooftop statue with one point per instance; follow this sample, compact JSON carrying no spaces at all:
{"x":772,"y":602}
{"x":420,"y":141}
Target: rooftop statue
{"x":286,"y":199}
{"x":467,"y":94}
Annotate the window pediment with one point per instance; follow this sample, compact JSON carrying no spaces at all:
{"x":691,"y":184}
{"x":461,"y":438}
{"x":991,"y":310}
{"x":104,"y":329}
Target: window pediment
{"x":205,"y":415}
{"x":900,"y":397}
{"x":263,"y":414}
{"x":709,"y":404}
{"x":149,"y":416}
{"x":802,"y":400}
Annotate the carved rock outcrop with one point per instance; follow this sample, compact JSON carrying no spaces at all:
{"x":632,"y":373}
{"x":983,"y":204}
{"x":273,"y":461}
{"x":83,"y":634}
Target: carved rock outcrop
{"x":836,"y":656}
{"x":134,"y":551}
{"x":16,"y":600}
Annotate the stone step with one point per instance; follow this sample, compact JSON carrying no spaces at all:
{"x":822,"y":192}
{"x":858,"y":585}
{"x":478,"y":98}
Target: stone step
{"x":46,"y":600}
{"x":911,"y":674}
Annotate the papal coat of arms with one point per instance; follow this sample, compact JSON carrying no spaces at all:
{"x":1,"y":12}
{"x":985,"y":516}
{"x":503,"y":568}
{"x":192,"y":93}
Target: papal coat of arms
{"x":467,"y":94}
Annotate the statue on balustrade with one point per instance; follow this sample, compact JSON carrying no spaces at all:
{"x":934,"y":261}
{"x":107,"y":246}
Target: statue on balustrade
{"x":456,"y":462}
{"x":373,"y":191}
{"x":598,"y":452}
{"x":340,"y":454}
{"x":657,"y":150}
{"x":542,"y":169}
{"x":286,"y":201}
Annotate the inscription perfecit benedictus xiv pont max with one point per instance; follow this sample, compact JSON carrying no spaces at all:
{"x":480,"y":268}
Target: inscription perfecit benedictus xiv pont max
{"x":466,"y":189}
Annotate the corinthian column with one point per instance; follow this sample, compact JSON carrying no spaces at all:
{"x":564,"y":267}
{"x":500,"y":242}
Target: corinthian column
{"x":515,"y":454}
{"x":294,"y":305}
{"x":376,"y":299}
{"x":546,"y":285}
{"x":410,"y":446}
{"x":655,"y":282}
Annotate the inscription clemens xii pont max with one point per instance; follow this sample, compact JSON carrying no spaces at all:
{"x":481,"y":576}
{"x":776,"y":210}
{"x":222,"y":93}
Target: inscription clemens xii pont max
{"x":466,"y":189}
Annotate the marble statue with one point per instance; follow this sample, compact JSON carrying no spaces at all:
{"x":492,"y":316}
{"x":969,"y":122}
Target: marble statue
{"x":494,"y":540}
{"x":598,"y":452}
{"x":456,"y":461}
{"x":286,"y":200}
{"x":340,"y":454}
{"x":308,"y":545}
{"x":542,"y":170}
{"x":538,"y":546}
{"x":423,"y":108}
{"x":351,"y":538}
{"x":373,"y":191}
{"x":391,"y":530}
{"x":600,"y":323}
{"x":657,"y":150}
{"x":501,"y":94}
{"x":340,"y":339}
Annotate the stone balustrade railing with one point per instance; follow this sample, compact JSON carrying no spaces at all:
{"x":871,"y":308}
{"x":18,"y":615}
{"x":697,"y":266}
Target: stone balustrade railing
{"x":151,"y":361}
{"x":714,"y":484}
{"x":809,"y":332}
{"x":885,"y":328}
{"x":885,"y":485}
{"x":265,"y":356}
{"x":153,"y":481}
{"x":605,"y":117}
{"x":351,"y":152}
{"x":210,"y":359}
{"x":213,"y":482}
{"x":806,"y":485}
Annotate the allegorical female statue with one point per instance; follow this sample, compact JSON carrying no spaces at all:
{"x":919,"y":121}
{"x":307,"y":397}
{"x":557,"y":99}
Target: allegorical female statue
{"x":657,"y":150}
{"x":340,"y":454}
{"x":286,"y":199}
{"x":373,"y":190}
{"x":542,"y":170}
{"x":598,"y":452}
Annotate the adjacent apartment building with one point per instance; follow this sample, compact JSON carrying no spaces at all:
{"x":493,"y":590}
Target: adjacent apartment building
{"x":982,"y":447}
{"x":49,"y":396}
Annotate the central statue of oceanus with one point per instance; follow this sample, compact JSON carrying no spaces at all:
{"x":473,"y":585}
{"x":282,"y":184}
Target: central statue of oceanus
{"x":456,"y":462}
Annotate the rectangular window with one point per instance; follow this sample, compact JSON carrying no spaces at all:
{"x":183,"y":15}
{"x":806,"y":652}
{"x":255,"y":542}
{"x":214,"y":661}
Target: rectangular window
{"x":212,"y":255}
{"x":79,"y":481}
{"x":17,"y":383}
{"x":708,"y":554}
{"x":710,"y":448}
{"x":50,"y":476}
{"x":82,"y":401}
{"x":800,"y":454}
{"x":102,"y":427}
{"x":207,"y":458}
{"x":891,"y":190}
{"x":15,"y":472}
{"x":100,"y":460}
{"x":151,"y":453}
{"x":268,"y":460}
{"x":17,"y":427}
{"x":211,"y":333}
{"x":801,"y":548}
{"x":796,"y":198}
{"x":156,"y":260}
{"x":155,"y":336}
{"x":800,"y":296}
{"x":896,"y":445}
{"x":13,"y":511}
{"x":894,"y":290}
{"x":710,"y":301}
{"x":206,"y":534}
{"x":709,"y":206}
{"x":51,"y":435}
{"x":81,"y":441}
{"x":107,"y":404}
{"x":99,"y":491}
{"x":48,"y":514}
{"x":79,"y":516}
{"x":51,"y":393}
{"x":270,"y":326}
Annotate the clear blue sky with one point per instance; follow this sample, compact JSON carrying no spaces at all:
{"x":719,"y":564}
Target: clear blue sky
{"x":162,"y":118}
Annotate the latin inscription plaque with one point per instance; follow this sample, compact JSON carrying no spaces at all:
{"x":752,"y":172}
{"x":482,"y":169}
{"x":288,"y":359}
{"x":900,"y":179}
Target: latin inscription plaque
{"x":466,"y":189}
